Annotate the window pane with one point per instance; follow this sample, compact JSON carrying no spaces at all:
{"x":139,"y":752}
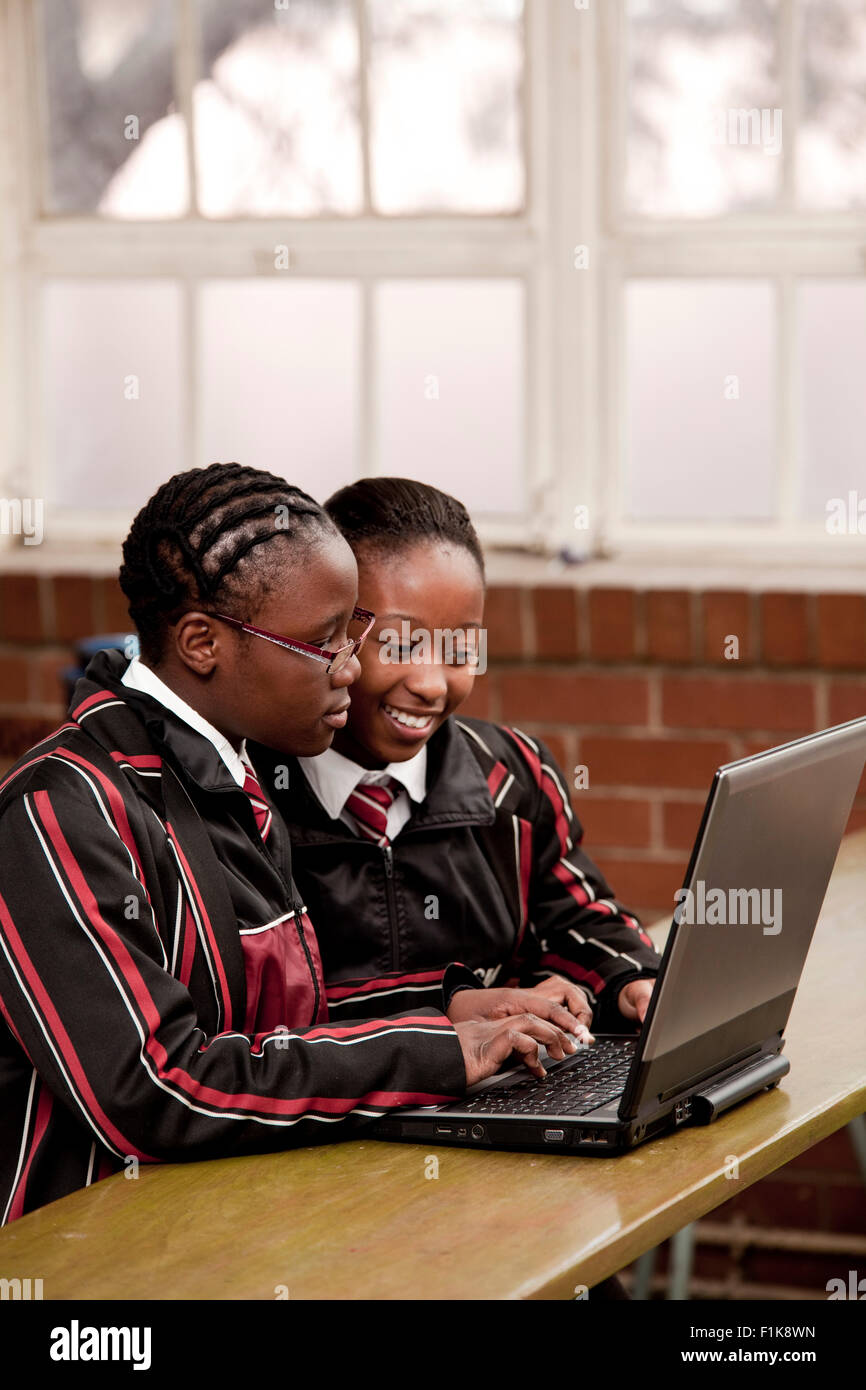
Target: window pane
{"x":276,"y":118}
{"x":279,"y":378}
{"x":112,"y":388}
{"x":831,"y":143}
{"x":700,"y":371}
{"x":704,"y":118}
{"x":832,"y":374}
{"x":115,"y":144}
{"x":446,"y":105}
{"x":449,"y":368}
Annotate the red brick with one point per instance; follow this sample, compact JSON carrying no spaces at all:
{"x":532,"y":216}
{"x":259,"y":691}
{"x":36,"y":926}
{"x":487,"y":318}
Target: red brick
{"x":112,"y":608}
{"x":612,"y":624}
{"x":562,"y":698}
{"x":478,"y":701}
{"x":651,"y":762}
{"x":50,"y":687}
{"x":17,"y":734}
{"x":777,"y":1203}
{"x":736,"y":702}
{"x":847,"y":701}
{"x":74,"y":615}
{"x":20,"y":612}
{"x":844,"y":1208}
{"x":555,"y":615}
{"x":643,"y":883}
{"x":841,"y":631}
{"x":503,"y":618}
{"x":670,"y":636}
{"x":726,"y":615}
{"x":785,"y":631}
{"x":834,"y":1154}
{"x":14,"y":679}
{"x":620,"y":822}
{"x":680,"y":820}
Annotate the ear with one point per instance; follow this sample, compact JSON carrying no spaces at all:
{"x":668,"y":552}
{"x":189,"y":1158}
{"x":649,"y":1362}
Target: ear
{"x":199,"y":642}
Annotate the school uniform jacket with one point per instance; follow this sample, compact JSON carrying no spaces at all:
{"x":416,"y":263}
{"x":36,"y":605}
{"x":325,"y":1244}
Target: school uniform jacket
{"x":161,"y":987}
{"x":488,"y":870}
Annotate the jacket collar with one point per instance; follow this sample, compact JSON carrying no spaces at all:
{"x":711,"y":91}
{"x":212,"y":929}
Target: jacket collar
{"x":457,"y":792}
{"x":130,"y":724}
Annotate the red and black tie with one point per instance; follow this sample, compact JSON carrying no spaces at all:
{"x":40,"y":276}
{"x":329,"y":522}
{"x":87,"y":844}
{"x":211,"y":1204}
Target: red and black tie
{"x":369,"y":805}
{"x":263,"y":813}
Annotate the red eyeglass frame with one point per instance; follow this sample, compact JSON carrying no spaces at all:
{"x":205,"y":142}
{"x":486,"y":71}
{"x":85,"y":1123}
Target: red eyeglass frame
{"x":307,"y":648}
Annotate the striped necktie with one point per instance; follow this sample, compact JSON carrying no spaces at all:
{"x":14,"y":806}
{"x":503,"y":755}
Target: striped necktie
{"x":369,"y":805}
{"x":263,"y":813}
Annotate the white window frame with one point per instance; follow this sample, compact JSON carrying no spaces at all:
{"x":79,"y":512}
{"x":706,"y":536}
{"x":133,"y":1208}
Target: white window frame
{"x":574,"y":370}
{"x":780,"y":247}
{"x":363,"y":248}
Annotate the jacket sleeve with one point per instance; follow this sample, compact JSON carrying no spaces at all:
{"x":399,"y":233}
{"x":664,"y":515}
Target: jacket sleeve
{"x":86,"y":989}
{"x":386,"y":995}
{"x":575,"y":925}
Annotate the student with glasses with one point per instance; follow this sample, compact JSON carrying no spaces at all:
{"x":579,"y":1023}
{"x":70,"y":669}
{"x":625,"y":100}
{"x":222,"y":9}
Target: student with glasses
{"x":441,"y":834}
{"x":161,"y":984}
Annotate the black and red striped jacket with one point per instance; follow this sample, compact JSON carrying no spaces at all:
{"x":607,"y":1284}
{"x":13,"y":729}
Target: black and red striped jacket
{"x":488,"y":870}
{"x":161,"y":988}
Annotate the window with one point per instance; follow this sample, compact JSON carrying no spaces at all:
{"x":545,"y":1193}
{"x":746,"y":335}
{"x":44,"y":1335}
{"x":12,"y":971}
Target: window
{"x":597,"y":267}
{"x":291,"y":232}
{"x":735,"y":288}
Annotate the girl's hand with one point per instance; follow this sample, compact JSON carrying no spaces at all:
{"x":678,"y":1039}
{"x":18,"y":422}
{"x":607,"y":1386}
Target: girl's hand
{"x":634,"y":999}
{"x":564,"y":992}
{"x":471,"y":1004}
{"x":488,"y":1043}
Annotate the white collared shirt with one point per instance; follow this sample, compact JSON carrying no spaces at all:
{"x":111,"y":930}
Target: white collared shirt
{"x":141,"y":677}
{"x":334,"y":777}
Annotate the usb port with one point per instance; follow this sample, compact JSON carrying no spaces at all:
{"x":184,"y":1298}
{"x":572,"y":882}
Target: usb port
{"x":444,"y":1129}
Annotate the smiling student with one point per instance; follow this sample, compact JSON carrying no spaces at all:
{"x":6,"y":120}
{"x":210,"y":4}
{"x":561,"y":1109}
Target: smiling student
{"x":421,"y":837}
{"x":161,"y":986}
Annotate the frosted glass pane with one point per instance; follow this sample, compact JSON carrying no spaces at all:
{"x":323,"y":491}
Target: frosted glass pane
{"x":446,"y":105}
{"x":277,"y":114}
{"x":704,"y":118}
{"x":449,"y":369}
{"x":831,"y":142}
{"x":700,"y":370}
{"x":832,"y":377}
{"x":112,"y":391}
{"x":115,"y":143}
{"x":279,"y":378}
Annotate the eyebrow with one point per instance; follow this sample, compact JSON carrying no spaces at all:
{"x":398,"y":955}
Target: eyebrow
{"x":386,"y":617}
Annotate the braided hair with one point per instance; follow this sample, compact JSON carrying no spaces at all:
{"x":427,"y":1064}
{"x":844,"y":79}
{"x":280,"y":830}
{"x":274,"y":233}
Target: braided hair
{"x":390,"y":514}
{"x":198,"y":542}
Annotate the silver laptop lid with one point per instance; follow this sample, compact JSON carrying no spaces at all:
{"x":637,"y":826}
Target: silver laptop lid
{"x":745,"y":917}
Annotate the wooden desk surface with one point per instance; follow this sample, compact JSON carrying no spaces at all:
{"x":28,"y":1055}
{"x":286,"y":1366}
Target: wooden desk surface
{"x":361,"y":1220}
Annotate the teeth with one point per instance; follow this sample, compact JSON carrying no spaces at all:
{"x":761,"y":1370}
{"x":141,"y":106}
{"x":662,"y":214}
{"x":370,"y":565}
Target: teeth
{"x":411,"y":721}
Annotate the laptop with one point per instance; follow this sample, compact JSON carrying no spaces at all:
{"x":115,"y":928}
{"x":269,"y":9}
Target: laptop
{"x":713,"y":1033}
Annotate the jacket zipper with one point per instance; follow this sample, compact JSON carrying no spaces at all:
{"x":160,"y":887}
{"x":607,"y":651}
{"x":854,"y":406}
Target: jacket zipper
{"x":388,"y":856}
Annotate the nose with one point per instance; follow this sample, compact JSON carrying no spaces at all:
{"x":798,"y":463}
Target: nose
{"x":347,"y":674}
{"x":427,"y":681}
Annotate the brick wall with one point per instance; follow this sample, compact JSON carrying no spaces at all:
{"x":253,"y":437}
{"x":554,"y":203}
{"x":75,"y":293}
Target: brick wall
{"x":636,"y":687}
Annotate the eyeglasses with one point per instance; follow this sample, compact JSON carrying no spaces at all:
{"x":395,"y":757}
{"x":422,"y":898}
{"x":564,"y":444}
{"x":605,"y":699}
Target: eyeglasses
{"x":333,"y":660}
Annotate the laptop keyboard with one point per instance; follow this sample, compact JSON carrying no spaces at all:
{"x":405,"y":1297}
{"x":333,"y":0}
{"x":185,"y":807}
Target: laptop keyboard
{"x":592,"y":1078}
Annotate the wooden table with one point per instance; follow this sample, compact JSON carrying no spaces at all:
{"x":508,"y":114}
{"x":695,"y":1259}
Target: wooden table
{"x":362,"y":1219}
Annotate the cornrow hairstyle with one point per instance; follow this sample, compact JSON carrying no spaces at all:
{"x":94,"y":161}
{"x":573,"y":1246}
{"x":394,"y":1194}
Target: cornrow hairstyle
{"x":198,"y":543}
{"x":389,"y":514}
